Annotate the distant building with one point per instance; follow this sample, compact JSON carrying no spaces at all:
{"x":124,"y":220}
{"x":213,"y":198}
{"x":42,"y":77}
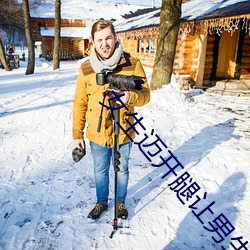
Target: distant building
{"x":77,"y":19}
{"x":74,"y":36}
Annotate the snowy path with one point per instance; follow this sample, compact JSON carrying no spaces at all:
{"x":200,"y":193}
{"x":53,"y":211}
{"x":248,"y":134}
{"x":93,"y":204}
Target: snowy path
{"x":45,"y":197}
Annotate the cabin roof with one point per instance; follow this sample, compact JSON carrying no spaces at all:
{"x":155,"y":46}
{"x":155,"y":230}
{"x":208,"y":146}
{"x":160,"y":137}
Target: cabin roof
{"x":77,"y":32}
{"x":208,"y":9}
{"x":140,"y":21}
{"x":85,"y":10}
{"x":193,"y":10}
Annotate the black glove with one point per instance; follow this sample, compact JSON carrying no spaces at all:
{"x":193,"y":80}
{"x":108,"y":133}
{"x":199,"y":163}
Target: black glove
{"x":78,"y":153}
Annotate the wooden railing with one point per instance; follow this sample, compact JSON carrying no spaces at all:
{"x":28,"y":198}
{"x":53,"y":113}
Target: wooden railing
{"x":64,"y":55}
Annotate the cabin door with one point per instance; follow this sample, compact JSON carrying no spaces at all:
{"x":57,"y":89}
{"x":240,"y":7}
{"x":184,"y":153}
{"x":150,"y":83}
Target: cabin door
{"x":227,"y":55}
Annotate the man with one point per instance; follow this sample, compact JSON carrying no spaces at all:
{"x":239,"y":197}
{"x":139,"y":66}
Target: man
{"x":107,"y":54}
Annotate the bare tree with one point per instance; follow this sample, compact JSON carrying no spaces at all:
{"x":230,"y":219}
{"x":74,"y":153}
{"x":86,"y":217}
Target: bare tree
{"x":3,"y":57}
{"x":11,"y":16}
{"x":11,"y":24}
{"x":168,"y":34}
{"x":36,"y":3}
{"x":28,"y":33}
{"x":56,"y":59}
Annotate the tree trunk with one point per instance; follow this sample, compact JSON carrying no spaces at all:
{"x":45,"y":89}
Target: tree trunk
{"x":56,"y":59}
{"x":28,"y":33}
{"x":168,"y":34}
{"x":3,"y":57}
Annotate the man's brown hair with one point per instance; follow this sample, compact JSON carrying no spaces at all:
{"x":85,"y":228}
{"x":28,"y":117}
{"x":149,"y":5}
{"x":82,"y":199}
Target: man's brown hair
{"x":101,"y":24}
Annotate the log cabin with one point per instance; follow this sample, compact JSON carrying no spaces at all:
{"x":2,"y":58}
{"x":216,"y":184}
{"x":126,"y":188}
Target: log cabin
{"x":77,"y":19}
{"x":74,"y":37}
{"x":213,"y":41}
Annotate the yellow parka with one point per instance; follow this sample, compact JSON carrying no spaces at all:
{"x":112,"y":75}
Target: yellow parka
{"x":86,"y":106}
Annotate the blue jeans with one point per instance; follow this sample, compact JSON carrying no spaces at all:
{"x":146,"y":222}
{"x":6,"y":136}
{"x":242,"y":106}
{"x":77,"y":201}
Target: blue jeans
{"x":102,"y":157}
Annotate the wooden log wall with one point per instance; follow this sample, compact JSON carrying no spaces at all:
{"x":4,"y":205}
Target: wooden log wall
{"x":178,"y":61}
{"x":47,"y":45}
{"x":66,"y":44}
{"x":190,"y":56}
{"x":186,"y":55}
{"x":50,"y":22}
{"x":245,"y":60}
{"x":79,"y":46}
{"x":185,"y":59}
{"x":73,"y":45}
{"x":209,"y":58}
{"x":131,"y":46}
{"x":146,"y":59}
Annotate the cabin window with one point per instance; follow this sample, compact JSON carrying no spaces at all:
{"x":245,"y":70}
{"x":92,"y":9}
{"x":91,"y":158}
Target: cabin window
{"x":140,"y":45}
{"x":146,"y":45}
{"x":152,"y":45}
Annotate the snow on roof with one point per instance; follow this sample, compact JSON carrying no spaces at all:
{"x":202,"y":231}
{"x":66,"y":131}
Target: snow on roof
{"x":192,"y":10}
{"x":145,"y":20}
{"x":85,"y":10}
{"x":79,"y":32}
{"x":202,"y":9}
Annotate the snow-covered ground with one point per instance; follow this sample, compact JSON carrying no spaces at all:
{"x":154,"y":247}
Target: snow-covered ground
{"x":45,"y":197}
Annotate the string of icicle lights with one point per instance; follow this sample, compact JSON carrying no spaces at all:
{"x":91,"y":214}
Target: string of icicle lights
{"x":218,"y":25}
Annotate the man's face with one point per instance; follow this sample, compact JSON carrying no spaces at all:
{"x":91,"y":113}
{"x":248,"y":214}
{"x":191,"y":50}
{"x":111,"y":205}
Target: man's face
{"x":104,"y":42}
